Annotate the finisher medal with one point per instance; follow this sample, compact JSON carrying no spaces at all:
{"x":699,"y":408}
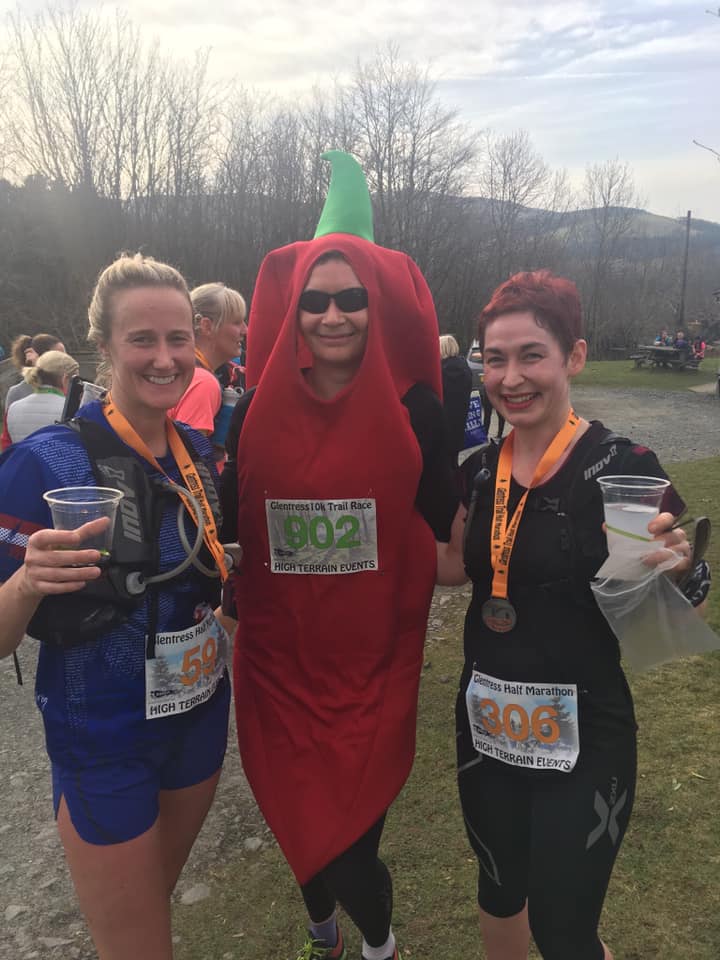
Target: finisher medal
{"x":498,"y":614}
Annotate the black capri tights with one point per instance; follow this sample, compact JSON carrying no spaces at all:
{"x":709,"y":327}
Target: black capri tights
{"x":549,"y":840}
{"x":361,"y":883}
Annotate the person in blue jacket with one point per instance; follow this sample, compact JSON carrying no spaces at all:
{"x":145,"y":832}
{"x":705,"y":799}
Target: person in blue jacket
{"x":134,"y":695}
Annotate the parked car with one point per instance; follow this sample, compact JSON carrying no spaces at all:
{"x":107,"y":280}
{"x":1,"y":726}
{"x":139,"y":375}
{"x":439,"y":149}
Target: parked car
{"x":475,"y":362}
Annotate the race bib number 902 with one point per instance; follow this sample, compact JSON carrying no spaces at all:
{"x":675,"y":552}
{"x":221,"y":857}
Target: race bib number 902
{"x":322,"y":536}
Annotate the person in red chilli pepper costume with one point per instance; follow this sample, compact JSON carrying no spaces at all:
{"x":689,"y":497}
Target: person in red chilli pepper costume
{"x":344,"y":496}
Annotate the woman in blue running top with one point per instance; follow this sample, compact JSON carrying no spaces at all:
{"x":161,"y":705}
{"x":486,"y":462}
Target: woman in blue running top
{"x":135,"y":710}
{"x":545,"y":724}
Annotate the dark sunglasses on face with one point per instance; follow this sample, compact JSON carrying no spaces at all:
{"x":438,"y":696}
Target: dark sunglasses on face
{"x":348,"y":301}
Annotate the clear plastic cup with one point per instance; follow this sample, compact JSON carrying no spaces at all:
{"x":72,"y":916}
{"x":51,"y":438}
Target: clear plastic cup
{"x":630,"y":504}
{"x":71,"y":507}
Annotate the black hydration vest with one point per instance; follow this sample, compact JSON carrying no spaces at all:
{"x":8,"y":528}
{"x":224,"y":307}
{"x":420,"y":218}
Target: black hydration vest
{"x":607,"y":449}
{"x":102,"y":604}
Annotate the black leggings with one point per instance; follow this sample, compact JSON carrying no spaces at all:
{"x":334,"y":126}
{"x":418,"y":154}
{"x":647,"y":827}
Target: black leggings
{"x":549,"y":840}
{"x":361,"y":883}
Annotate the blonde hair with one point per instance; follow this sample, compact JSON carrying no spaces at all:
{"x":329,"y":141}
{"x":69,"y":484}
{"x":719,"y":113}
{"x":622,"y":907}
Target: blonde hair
{"x":448,"y":346}
{"x":128,"y":272}
{"x":50,"y":369}
{"x":216,"y":302}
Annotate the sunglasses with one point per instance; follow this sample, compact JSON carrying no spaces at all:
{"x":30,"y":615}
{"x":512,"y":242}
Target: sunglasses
{"x":348,"y":301}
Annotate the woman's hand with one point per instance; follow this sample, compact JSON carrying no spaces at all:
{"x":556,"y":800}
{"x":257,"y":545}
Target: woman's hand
{"x":55,"y":562}
{"x":675,"y":540}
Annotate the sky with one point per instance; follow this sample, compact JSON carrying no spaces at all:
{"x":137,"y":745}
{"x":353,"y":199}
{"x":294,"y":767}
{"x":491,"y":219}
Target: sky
{"x":636,"y":80}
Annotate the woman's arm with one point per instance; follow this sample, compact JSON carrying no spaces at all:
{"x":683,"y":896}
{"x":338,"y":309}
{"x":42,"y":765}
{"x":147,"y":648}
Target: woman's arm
{"x":54,"y":564}
{"x":450,"y":561}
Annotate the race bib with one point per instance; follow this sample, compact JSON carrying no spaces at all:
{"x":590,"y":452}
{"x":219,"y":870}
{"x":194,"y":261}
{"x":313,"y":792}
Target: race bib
{"x":187,"y":667}
{"x":524,"y":724}
{"x":322,"y":536}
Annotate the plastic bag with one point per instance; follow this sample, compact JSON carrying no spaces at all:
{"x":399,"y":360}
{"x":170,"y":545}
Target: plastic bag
{"x":475,"y":434}
{"x":651,"y":618}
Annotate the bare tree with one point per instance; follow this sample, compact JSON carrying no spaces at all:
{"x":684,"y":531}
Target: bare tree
{"x":59,"y":91}
{"x":418,"y":158}
{"x":609,"y":194}
{"x":111,"y":145}
{"x":514,"y":178}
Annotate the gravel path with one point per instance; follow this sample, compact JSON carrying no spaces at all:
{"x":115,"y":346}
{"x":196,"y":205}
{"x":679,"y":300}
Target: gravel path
{"x":677,"y":426}
{"x":38,"y":913}
{"x":39,"y":916}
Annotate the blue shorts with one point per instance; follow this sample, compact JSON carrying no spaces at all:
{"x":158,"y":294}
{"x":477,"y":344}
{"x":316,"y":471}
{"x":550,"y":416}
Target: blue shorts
{"x":115,"y":801}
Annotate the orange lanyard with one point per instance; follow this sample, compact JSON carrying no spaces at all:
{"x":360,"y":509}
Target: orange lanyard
{"x":191,"y":477}
{"x":203,"y":360}
{"x":502,"y":533}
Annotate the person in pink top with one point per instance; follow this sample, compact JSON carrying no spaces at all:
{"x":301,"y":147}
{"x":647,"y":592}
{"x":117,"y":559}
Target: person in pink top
{"x":220,"y":329}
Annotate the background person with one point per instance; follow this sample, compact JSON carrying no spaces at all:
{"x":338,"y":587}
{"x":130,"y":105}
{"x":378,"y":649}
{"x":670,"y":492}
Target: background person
{"x":220,"y":328}
{"x":343,"y":485}
{"x":49,"y":378}
{"x":457,"y":387}
{"x":488,"y":410}
{"x":699,"y":347}
{"x":25,"y":352}
{"x":134,"y":697}
{"x":552,"y":793}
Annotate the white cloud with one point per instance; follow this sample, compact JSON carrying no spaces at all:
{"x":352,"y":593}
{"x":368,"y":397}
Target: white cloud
{"x":635,"y":79}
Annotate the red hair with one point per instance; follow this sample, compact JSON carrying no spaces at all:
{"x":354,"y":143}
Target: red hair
{"x":554,"y":302}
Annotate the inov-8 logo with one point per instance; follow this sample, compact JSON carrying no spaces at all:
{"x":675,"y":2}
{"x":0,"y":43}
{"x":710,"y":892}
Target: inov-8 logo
{"x":608,"y":812}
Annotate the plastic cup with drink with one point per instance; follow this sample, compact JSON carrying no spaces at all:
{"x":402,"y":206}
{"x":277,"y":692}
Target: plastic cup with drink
{"x":71,"y":507}
{"x":631,"y":503}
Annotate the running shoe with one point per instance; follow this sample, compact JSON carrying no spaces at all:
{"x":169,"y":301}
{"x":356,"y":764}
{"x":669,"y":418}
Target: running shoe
{"x":316,"y":950}
{"x":395,"y":956}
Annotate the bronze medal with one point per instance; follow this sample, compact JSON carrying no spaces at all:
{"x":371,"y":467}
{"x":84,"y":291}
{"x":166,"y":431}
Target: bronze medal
{"x":499,"y":615}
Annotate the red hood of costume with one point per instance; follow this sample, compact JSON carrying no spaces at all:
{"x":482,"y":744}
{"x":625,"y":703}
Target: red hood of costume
{"x":402,"y":320}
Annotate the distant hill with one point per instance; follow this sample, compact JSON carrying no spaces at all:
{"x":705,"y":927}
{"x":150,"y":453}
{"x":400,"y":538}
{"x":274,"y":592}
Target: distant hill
{"x":662,"y":234}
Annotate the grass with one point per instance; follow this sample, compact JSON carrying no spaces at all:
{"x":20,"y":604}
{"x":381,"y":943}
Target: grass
{"x":622,"y":373}
{"x":663,"y":900}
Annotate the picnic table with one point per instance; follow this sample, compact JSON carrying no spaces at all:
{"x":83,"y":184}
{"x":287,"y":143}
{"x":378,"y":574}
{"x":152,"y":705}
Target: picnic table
{"x":676,"y":358}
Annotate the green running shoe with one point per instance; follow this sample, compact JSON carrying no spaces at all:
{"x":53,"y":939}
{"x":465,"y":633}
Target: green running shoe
{"x":315,"y":949}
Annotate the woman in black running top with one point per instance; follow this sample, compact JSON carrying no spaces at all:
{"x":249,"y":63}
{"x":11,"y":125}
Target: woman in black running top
{"x":545,"y":723}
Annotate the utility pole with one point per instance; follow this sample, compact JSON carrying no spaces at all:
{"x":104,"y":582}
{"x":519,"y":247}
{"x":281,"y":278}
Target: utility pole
{"x":681,"y":308}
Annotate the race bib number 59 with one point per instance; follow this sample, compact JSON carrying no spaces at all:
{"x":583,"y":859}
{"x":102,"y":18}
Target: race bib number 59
{"x":187,"y":666}
{"x":322,"y":536}
{"x":524,"y":724}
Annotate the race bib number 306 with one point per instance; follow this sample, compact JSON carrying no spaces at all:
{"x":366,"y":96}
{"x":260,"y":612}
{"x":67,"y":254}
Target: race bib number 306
{"x":531,"y":725}
{"x":322,"y":536}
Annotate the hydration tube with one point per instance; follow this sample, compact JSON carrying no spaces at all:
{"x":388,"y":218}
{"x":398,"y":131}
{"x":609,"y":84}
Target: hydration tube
{"x":136,"y":584}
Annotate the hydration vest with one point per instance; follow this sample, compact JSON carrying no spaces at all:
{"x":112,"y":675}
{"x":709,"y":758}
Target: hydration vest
{"x":111,"y":599}
{"x":602,"y":458}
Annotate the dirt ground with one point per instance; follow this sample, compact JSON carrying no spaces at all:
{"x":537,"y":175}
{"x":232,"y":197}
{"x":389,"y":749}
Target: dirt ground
{"x":39,"y":916}
{"x":677,"y":426}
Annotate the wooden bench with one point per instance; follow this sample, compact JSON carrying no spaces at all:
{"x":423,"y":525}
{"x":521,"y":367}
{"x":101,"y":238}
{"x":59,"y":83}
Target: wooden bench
{"x":676,"y":358}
